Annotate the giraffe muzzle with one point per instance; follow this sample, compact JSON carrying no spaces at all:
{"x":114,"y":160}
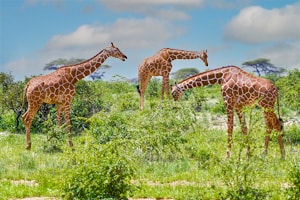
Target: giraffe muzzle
{"x":124,"y":58}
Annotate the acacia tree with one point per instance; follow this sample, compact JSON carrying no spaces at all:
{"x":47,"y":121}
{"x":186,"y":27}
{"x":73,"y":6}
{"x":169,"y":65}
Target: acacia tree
{"x":53,"y":65}
{"x":184,"y":73}
{"x":262,"y":66}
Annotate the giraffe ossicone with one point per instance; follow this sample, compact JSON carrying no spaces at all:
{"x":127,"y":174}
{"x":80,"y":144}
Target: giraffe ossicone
{"x":160,"y":65}
{"x":58,"y":88}
{"x":239,"y":89}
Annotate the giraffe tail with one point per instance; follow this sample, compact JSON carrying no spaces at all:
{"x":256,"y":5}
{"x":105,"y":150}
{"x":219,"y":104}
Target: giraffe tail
{"x":138,"y":89}
{"x":20,"y":111}
{"x":278,"y":112}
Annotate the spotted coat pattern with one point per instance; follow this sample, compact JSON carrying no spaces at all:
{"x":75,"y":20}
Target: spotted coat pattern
{"x":58,"y":88}
{"x":160,"y":65}
{"x":239,"y":89}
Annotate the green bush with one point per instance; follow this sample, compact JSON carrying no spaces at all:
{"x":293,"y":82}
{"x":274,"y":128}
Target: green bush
{"x":7,"y":120}
{"x":294,"y":176}
{"x":106,"y":127}
{"x":289,"y":91}
{"x":99,"y":172}
{"x":154,"y":88}
{"x":56,"y":136}
{"x":292,"y":134}
{"x":240,"y":176}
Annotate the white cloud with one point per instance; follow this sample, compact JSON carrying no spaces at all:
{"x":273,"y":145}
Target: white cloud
{"x":87,"y":40}
{"x":132,"y":5}
{"x":285,"y":55}
{"x":132,"y":33}
{"x":255,"y":24}
{"x":161,"y":9}
{"x":25,"y":67}
{"x":225,"y":4}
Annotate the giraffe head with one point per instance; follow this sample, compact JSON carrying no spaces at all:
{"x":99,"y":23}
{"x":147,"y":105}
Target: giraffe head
{"x":177,"y":92}
{"x":204,"y":57}
{"x":115,"y":52}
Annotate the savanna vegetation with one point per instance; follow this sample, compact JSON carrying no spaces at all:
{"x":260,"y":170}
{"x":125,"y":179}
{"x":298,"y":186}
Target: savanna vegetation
{"x":173,"y":150}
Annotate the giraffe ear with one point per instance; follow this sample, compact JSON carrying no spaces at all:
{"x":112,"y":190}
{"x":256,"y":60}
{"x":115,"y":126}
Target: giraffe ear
{"x":206,"y":51}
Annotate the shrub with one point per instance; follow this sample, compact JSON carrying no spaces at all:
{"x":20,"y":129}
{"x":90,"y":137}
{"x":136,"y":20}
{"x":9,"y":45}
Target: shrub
{"x":240,"y":177}
{"x":55,"y":136}
{"x":292,"y":134}
{"x":104,"y":173}
{"x":7,"y":120}
{"x":106,"y":127}
{"x":294,"y":176}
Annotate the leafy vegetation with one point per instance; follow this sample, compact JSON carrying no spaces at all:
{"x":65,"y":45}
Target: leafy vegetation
{"x":168,"y":150}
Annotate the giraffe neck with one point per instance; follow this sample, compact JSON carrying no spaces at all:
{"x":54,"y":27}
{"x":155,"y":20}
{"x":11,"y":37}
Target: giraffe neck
{"x":83,"y":69}
{"x":174,"y":54}
{"x":205,"y":78}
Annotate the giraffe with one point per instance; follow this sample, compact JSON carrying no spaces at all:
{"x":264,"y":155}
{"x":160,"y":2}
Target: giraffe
{"x":239,"y":89}
{"x":160,"y":65}
{"x":58,"y":88}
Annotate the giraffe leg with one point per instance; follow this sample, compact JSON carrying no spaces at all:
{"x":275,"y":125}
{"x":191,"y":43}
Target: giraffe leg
{"x":165,"y":87}
{"x":142,"y":99}
{"x":280,"y":142}
{"x":267,"y":138}
{"x":230,"y":130}
{"x":28,"y":118}
{"x":273,"y":122}
{"x":67,"y":108}
{"x":242,"y":120}
{"x":144,"y":82}
{"x":58,"y":114}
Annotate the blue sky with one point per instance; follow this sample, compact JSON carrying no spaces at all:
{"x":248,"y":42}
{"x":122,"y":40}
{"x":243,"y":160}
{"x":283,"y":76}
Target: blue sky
{"x":36,"y":32}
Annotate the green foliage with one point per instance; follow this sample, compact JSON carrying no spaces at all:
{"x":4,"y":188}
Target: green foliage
{"x":294,"y":176}
{"x":289,"y":90}
{"x":154,"y":88}
{"x":184,"y":73}
{"x":99,"y":172}
{"x":157,"y":133}
{"x":292,"y":134}
{"x":171,"y":150}
{"x":161,"y":132}
{"x":240,"y":176}
{"x":55,"y":137}
{"x":10,"y":91}
{"x":7,"y":120}
{"x":107,"y":127}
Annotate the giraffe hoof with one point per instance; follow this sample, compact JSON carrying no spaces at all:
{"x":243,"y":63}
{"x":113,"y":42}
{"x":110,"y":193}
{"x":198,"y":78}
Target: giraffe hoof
{"x":228,"y":155}
{"x":28,"y":147}
{"x":71,"y":144}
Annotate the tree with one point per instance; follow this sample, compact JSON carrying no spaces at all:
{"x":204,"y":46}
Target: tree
{"x":99,"y":74}
{"x":53,"y":65}
{"x":184,"y":73}
{"x":289,"y":89}
{"x":262,"y":66}
{"x":10,"y":92}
